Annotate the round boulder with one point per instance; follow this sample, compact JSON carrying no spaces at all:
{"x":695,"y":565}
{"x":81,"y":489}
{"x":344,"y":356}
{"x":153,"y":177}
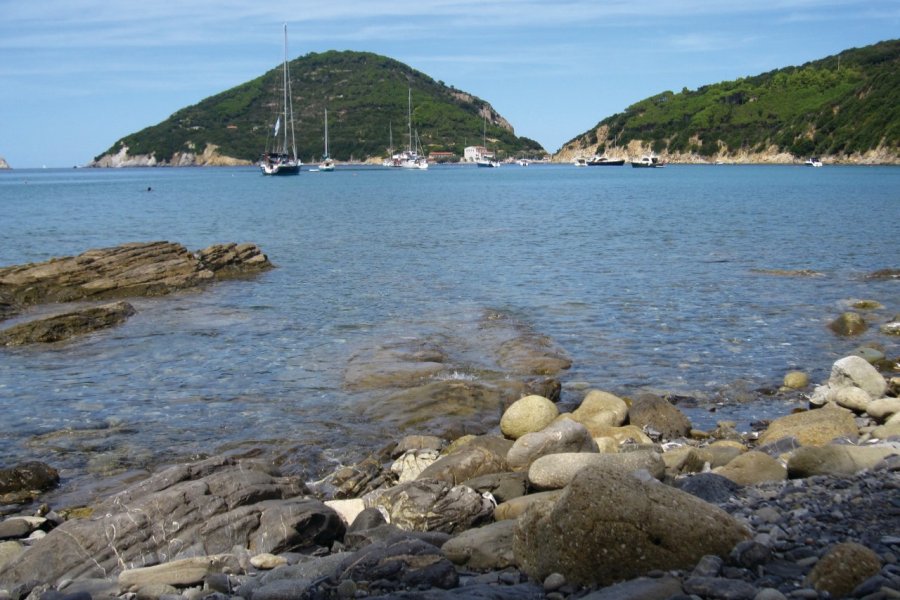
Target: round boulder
{"x":796,"y":380}
{"x":601,"y":408}
{"x":812,"y":427}
{"x":651,"y":412}
{"x":563,"y":435}
{"x":526,"y":415}
{"x":752,"y":468}
{"x":610,"y":526}
{"x":848,"y":324}
{"x":843,"y":568}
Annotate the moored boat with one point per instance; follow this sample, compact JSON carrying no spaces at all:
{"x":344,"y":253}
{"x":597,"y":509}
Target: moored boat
{"x":327,"y":163}
{"x":605,"y":161}
{"x":579,"y":161}
{"x":278,"y":161}
{"x":648,"y":162}
{"x":813,"y":162}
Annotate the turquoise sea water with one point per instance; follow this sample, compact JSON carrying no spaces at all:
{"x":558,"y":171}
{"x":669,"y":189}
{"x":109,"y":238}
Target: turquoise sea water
{"x":649,"y":279}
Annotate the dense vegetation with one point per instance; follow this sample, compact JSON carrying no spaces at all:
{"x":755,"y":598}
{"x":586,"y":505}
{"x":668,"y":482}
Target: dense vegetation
{"x":838,"y":106}
{"x":366,"y":98}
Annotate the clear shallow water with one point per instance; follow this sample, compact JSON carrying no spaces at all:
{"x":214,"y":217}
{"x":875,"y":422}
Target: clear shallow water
{"x":648,"y":279}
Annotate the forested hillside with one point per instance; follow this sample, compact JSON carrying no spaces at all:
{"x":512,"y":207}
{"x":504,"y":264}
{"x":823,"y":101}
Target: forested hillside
{"x":843,"y":106}
{"x":366,"y":98}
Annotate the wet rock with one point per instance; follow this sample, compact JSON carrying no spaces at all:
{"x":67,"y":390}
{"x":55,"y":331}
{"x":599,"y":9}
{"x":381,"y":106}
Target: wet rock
{"x":531,"y":353}
{"x":556,"y":471}
{"x":892,"y":328}
{"x":812,"y":427}
{"x":23,"y":482}
{"x":483,"y":455}
{"x":848,"y":324}
{"x":651,"y":412}
{"x":609,"y":526}
{"x":835,"y":460}
{"x":129,"y":270}
{"x":527,"y":415}
{"x":431,"y":505}
{"x":395,"y":364}
{"x":560,"y":436}
{"x":796,"y":380}
{"x":198,"y":509}
{"x":752,"y":468}
{"x":843,"y":568}
{"x":483,"y":548}
{"x":67,"y":325}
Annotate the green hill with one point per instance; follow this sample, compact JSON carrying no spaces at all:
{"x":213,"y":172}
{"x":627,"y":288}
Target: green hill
{"x":366,"y":98}
{"x":846,"y":107}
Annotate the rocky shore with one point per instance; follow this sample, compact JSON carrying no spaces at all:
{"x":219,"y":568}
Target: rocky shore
{"x":127,"y":271}
{"x":620,"y":498}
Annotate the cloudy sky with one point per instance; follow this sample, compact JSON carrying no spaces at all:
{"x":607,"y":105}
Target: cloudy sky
{"x":76,"y":75}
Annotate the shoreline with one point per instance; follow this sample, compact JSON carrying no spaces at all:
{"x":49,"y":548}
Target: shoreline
{"x":807,"y":489}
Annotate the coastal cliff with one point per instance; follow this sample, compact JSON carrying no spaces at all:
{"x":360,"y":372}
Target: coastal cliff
{"x":210,"y":157}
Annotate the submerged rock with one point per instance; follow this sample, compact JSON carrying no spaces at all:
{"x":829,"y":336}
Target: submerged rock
{"x":849,"y":324}
{"x":64,"y":326}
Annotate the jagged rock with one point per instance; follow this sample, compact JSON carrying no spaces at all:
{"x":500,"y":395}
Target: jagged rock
{"x":431,"y":505}
{"x":483,"y":455}
{"x":63,"y":326}
{"x":129,"y":270}
{"x":409,"y":561}
{"x":610,"y":526}
{"x":28,"y":476}
{"x":199,"y":509}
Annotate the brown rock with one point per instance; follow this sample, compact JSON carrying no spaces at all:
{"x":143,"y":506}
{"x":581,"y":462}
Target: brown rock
{"x":64,"y":326}
{"x":752,"y":468}
{"x":651,"y":412}
{"x":843,"y":568}
{"x":849,"y":324}
{"x":812,"y":427}
{"x":610,"y":526}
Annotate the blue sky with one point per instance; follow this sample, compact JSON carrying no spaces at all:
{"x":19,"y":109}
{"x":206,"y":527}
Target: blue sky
{"x":76,"y":75}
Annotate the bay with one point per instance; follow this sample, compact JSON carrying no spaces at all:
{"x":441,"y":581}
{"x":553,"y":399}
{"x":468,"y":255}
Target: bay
{"x":649,"y":279}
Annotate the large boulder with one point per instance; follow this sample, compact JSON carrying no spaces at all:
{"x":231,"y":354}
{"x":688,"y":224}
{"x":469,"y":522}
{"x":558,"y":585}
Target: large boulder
{"x":199,"y":509}
{"x":601,"y":409}
{"x":850,"y":371}
{"x":526,"y":415}
{"x":752,"y":468}
{"x":563,"y":435}
{"x":56,"y":328}
{"x":654,"y":413}
{"x":610,"y":526}
{"x":812,"y":427}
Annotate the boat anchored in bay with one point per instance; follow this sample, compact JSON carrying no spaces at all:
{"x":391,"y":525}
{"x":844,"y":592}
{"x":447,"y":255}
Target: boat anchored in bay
{"x":277,"y":161}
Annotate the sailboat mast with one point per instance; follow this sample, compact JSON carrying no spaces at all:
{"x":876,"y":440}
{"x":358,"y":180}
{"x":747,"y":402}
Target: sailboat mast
{"x":326,"y":133}
{"x":409,"y":118}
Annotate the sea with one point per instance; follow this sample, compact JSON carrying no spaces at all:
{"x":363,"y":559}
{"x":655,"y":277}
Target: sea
{"x":705,"y":283}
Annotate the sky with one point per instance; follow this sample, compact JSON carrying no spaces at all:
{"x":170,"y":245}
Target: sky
{"x":77,"y":75}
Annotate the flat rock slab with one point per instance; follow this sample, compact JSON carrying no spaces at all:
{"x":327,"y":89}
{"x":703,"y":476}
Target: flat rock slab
{"x":130,"y":270}
{"x":57,"y":328}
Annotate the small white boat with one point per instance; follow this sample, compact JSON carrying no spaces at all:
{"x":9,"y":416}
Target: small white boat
{"x":579,"y":161}
{"x":484,"y":161}
{"x":327,"y":163}
{"x":523,"y":162}
{"x":813,"y":162}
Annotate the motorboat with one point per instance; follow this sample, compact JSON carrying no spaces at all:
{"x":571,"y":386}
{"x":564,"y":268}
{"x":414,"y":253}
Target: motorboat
{"x":813,"y":162}
{"x":605,"y":161}
{"x":648,"y":162}
{"x":579,"y":161}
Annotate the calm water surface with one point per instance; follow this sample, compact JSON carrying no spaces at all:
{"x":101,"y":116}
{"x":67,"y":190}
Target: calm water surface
{"x":648,"y":280}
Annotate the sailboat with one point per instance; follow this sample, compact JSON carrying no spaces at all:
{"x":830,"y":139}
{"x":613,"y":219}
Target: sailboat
{"x":277,"y":161}
{"x":410,"y":158}
{"x":484,"y":161}
{"x":327,"y":163}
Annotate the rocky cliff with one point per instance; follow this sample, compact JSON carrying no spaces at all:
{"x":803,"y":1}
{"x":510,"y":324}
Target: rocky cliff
{"x":210,"y":157}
